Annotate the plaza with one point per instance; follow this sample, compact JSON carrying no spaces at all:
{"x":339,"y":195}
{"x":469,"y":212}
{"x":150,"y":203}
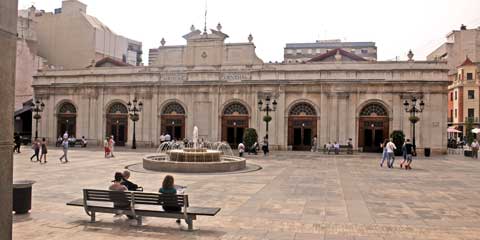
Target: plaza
{"x":296,"y":195}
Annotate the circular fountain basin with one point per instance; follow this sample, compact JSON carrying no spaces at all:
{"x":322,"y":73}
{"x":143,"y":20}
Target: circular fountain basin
{"x":194,"y":155}
{"x":162,"y":162}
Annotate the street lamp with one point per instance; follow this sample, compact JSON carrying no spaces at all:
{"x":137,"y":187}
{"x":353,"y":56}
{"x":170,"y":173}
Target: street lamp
{"x":133,"y":110}
{"x":267,"y":109}
{"x":37,"y":107}
{"x":413,"y":110}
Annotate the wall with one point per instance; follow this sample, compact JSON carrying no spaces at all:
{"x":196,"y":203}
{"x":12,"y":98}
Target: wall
{"x":8,"y":39}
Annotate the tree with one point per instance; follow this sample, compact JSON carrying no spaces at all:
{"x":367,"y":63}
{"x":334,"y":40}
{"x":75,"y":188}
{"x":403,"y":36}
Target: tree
{"x":469,"y":127}
{"x":250,"y":137}
{"x":398,"y":139}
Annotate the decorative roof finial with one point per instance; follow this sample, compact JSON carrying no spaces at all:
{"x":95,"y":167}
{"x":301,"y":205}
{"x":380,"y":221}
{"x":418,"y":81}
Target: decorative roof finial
{"x":192,"y":28}
{"x":410,"y":55}
{"x":250,"y":38}
{"x":163,"y":42}
{"x":219,"y":27}
{"x":205,"y":25}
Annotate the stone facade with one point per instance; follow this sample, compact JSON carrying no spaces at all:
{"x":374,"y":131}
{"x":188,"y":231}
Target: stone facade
{"x":8,"y":40}
{"x":460,"y":44}
{"x":302,"y":52}
{"x":70,"y":31}
{"x":463,"y":96}
{"x":217,"y":86}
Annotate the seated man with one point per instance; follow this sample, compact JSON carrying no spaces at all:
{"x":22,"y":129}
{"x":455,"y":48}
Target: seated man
{"x":84,"y":142}
{"x":130,"y":185}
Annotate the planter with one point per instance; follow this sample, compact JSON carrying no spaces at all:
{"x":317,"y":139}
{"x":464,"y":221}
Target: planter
{"x":22,"y":196}
{"x":427,"y":152}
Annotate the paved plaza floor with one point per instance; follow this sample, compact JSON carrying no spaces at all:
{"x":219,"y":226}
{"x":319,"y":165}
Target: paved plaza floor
{"x":297,"y":195}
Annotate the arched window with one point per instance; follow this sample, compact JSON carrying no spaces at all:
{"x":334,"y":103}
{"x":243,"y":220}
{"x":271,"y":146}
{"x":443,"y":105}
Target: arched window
{"x":67,"y":108}
{"x":235,"y":109}
{"x":374,"y":110}
{"x":173,"y":108}
{"x":303,"y":109}
{"x":118,"y":108}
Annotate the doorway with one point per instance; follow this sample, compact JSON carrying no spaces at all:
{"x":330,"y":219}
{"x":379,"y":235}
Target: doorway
{"x":117,"y":124}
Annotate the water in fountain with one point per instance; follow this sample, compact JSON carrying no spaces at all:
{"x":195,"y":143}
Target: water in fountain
{"x":195,"y":137}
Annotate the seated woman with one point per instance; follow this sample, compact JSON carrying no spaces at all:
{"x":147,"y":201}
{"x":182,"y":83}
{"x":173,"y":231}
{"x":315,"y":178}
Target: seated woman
{"x":168,"y":187}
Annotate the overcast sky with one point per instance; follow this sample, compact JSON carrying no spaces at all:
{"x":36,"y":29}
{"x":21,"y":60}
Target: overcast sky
{"x":395,"y":25}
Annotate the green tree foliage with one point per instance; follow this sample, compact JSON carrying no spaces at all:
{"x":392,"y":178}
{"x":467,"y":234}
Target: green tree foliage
{"x":469,"y":127}
{"x":250,"y":137}
{"x":398,"y":139}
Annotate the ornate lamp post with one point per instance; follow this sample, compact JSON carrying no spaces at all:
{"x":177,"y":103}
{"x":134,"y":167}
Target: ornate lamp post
{"x":267,"y":109}
{"x":37,"y":107}
{"x":413,"y":110}
{"x":133,"y":110}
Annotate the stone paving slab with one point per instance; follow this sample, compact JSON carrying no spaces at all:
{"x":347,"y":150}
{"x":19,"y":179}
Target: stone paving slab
{"x":297,"y":196}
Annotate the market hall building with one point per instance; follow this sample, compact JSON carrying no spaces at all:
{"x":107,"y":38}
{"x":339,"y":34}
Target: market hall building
{"x":217,"y":86}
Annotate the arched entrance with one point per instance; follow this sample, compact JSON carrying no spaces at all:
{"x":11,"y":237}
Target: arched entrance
{"x":67,"y":119}
{"x":173,"y":120}
{"x":117,"y":123}
{"x":372,"y":127}
{"x":302,"y":126}
{"x":234,"y":122}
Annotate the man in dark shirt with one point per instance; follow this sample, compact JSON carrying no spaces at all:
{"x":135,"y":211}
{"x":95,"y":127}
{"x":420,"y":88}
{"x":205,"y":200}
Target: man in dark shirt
{"x":409,"y":152}
{"x":130,"y":185}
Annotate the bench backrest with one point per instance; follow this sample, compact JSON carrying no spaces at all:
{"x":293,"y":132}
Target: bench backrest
{"x":117,"y":197}
{"x":160,"y":199}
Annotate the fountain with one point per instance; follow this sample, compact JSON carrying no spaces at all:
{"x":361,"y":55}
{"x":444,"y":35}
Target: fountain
{"x":194,"y":157}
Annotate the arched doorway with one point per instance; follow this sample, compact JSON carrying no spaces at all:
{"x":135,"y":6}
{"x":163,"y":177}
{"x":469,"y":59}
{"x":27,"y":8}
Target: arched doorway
{"x":117,"y":123}
{"x":302,"y":126}
{"x":173,"y":120}
{"x":67,"y":119}
{"x":234,"y":122}
{"x":372,"y":127}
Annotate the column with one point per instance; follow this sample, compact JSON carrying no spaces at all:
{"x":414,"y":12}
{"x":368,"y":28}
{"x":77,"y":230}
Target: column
{"x":8,"y":41}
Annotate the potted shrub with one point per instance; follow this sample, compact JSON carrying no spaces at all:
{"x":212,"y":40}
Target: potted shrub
{"x":398,"y":139}
{"x":249,"y":137}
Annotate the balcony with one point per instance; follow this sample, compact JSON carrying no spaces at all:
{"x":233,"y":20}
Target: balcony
{"x":473,"y":119}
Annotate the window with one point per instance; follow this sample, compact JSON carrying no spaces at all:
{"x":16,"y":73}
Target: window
{"x":318,"y":50}
{"x":451,"y":114}
{"x":364,"y":51}
{"x":455,"y":113}
{"x":451,"y":96}
{"x":469,"y":76}
{"x":310,"y":51}
{"x":299,"y":51}
{"x":289,"y":51}
{"x":471,"y":94}
{"x":471,"y":112}
{"x":455,"y":95}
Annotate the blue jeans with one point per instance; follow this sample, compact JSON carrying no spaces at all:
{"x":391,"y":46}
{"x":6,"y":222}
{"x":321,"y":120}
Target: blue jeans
{"x":391,"y":159}
{"x":384,"y":156}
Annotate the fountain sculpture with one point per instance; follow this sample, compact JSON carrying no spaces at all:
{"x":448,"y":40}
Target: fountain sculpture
{"x":194,"y":157}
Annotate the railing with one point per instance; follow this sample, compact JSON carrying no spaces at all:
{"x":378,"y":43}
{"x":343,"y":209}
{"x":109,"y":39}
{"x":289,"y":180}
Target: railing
{"x":473,"y":119}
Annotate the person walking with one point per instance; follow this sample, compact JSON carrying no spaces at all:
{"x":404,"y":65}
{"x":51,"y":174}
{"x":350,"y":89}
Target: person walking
{"x":111,"y":145}
{"x":390,"y":151}
{"x":384,"y":152}
{"x":36,"y":150}
{"x":409,"y":151}
{"x":265,"y":146}
{"x":314,"y":144}
{"x":475,"y":147}
{"x":44,"y":151}
{"x":65,"y":151}
{"x":241,"y":149}
{"x":106,"y":148}
{"x":17,"y":140}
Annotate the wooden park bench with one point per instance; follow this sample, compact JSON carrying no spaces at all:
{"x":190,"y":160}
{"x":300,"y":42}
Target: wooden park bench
{"x":139,"y":204}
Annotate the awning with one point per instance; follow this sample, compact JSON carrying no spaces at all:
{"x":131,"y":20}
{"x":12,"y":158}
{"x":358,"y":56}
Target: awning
{"x":453,"y":130}
{"x":476,"y":130}
{"x":22,"y":110}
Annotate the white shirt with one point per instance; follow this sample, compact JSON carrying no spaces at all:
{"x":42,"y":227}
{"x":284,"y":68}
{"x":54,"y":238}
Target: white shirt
{"x":168,"y":137}
{"x":241,"y":148}
{"x":162,"y":138}
{"x":390,"y":147}
{"x":65,"y":135}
